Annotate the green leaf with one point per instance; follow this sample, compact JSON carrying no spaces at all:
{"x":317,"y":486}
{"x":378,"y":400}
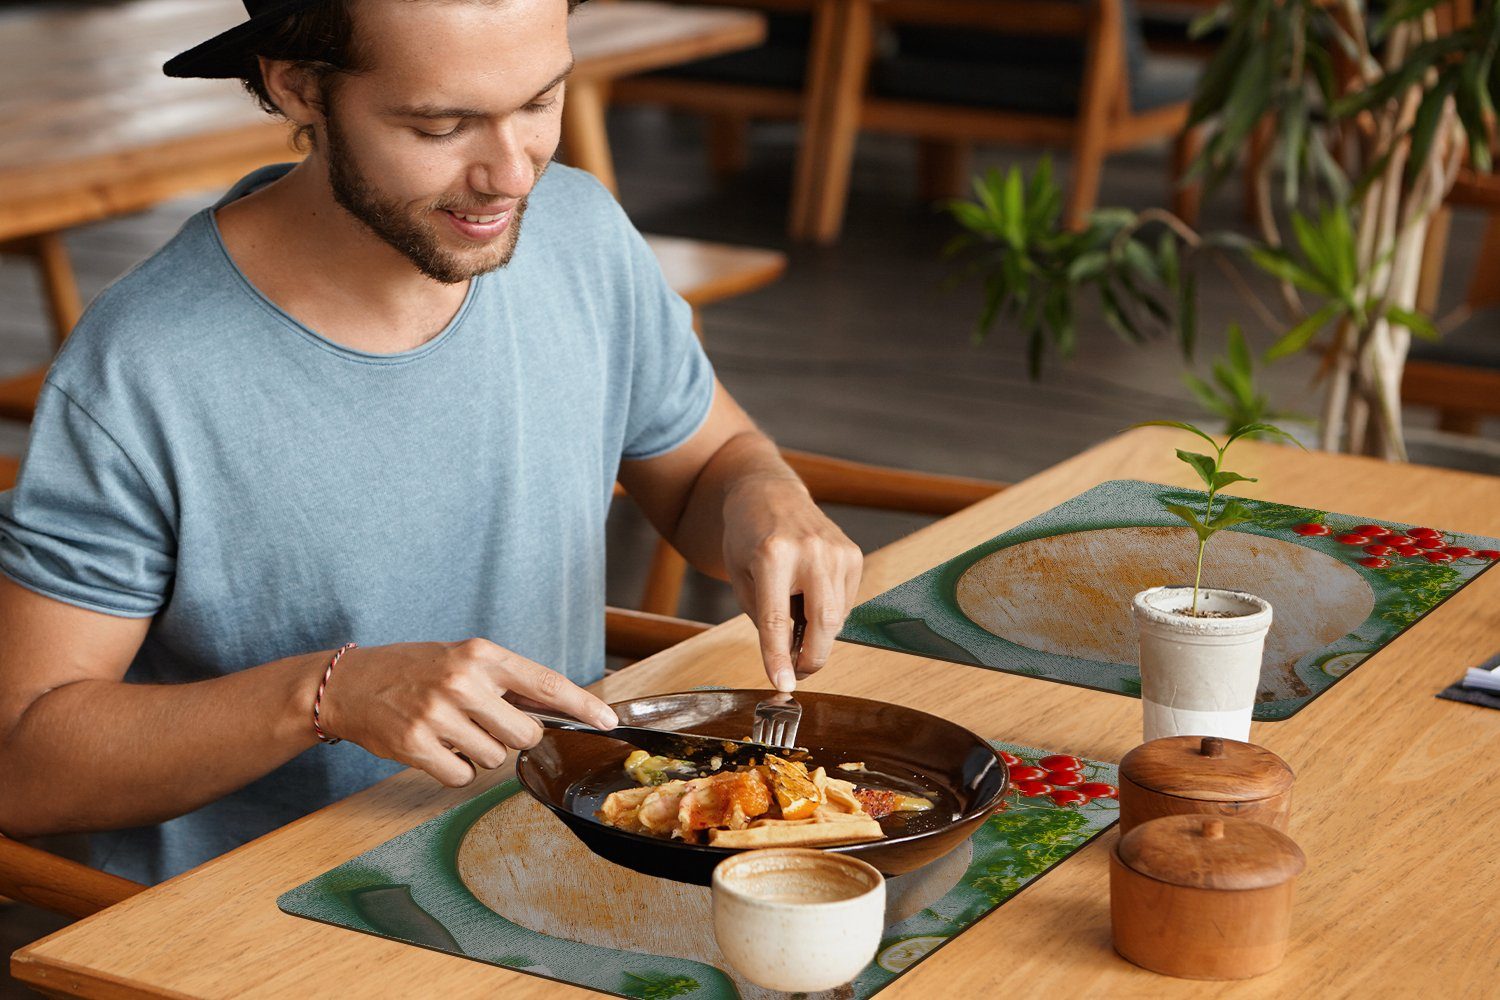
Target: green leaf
{"x":1013,"y":206}
{"x":1231,"y":514}
{"x":1302,"y":334}
{"x":1187,"y":313}
{"x":1223,"y":479}
{"x":1202,"y":464}
{"x":1261,"y":428}
{"x":1087,"y":266}
{"x":1424,"y":127}
{"x":1239,"y":351}
{"x":1206,"y":397}
{"x":1190,"y":516}
{"x":1418,"y":324}
{"x":1180,"y":426}
{"x":1279,"y":264}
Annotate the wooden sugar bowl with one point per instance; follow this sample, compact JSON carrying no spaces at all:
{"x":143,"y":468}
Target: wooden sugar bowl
{"x":1207,"y":775}
{"x":1203,"y":897}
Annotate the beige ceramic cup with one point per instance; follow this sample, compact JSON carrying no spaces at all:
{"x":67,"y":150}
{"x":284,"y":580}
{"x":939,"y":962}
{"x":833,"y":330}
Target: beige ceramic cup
{"x":798,"y":920}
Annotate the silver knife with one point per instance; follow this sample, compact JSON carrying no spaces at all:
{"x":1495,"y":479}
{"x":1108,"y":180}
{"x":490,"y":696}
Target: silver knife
{"x":698,"y":750}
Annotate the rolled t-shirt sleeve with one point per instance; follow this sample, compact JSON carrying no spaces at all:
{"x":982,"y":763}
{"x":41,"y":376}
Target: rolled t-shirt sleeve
{"x":672,"y":381}
{"x":83,"y":525}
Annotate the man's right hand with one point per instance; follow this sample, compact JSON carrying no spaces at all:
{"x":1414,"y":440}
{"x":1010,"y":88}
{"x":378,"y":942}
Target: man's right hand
{"x":419,"y":702}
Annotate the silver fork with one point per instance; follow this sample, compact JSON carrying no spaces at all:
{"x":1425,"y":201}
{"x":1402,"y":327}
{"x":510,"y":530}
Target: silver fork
{"x":777,"y":718}
{"x":776,"y":722}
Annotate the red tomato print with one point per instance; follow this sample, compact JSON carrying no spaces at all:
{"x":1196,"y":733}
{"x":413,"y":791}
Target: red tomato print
{"x":1429,"y":543}
{"x":1408,"y":550}
{"x":1069,"y":797}
{"x":1396,"y":540}
{"x":1060,"y":762}
{"x":1020,"y":774}
{"x":1033,"y":789}
{"x":1373,"y":530}
{"x":1064,"y":779}
{"x":1011,"y":760}
{"x":1458,"y":551}
{"x":1311,"y":529}
{"x":1099,"y":790}
{"x":1439,"y":557}
{"x":1374,"y":562}
{"x":1425,"y":533}
{"x":1379,"y":550}
{"x":1353,"y":539}
{"x":1488,"y":553}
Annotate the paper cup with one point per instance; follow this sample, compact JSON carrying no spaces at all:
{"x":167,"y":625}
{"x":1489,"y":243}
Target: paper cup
{"x":1199,"y":676}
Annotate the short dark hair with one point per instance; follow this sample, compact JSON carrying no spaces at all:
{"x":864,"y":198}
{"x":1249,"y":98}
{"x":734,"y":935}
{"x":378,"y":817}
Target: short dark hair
{"x":320,"y":39}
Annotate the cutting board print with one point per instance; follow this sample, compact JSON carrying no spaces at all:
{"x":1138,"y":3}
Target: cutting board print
{"x":1051,"y":598}
{"x":1070,"y":594}
{"x":500,"y":880}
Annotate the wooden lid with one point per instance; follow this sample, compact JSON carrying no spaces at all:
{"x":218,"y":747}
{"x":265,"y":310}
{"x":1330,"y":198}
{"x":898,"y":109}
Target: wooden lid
{"x":1212,"y":852}
{"x":1207,"y":768}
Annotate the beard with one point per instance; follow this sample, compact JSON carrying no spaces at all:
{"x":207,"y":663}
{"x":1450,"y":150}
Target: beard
{"x":412,"y":233}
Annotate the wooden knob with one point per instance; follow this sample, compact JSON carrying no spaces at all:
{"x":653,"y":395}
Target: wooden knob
{"x":1213,"y":829}
{"x":1212,"y":746}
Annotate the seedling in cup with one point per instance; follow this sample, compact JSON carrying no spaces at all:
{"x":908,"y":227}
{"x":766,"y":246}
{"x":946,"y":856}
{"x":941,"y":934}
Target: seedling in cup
{"x":1215,"y":477}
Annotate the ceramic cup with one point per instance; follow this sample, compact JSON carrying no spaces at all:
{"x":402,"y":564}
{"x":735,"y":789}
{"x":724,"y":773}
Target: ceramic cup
{"x":1199,"y":675}
{"x":798,"y":920}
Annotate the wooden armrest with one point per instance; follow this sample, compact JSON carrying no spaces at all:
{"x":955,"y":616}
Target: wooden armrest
{"x":9,"y":468}
{"x":837,"y":480}
{"x":56,"y":884}
{"x":636,"y":635}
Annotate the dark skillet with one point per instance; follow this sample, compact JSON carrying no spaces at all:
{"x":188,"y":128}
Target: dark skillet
{"x":570,"y":773}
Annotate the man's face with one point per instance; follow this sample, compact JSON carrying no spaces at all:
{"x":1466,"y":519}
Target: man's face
{"x":436,"y":147}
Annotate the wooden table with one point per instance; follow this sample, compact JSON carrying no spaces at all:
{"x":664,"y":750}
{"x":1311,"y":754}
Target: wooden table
{"x":1395,"y":800}
{"x":93,"y":129}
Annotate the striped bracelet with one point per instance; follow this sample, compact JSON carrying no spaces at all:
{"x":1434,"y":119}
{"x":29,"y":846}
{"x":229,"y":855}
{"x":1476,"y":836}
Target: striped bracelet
{"x":318,"y":699}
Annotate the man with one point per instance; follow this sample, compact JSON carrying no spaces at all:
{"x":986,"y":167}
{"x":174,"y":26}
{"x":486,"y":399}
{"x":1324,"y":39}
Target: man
{"x":352,"y":402}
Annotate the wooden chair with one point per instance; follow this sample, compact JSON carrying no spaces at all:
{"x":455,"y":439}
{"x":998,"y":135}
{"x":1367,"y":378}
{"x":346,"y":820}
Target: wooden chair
{"x":1459,"y":376}
{"x":958,"y":74}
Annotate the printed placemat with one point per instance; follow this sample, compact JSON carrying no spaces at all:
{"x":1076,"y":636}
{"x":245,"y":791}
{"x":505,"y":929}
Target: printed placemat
{"x":1051,"y":598}
{"x":499,"y":879}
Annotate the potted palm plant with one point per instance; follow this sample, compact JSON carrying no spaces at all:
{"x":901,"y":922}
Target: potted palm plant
{"x":1368,"y":118}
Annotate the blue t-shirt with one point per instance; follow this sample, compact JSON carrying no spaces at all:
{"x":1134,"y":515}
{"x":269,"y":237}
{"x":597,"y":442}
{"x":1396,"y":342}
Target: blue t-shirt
{"x":201,"y":457}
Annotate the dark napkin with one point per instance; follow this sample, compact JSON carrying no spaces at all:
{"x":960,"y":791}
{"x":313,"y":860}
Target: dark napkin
{"x":1474,"y":696}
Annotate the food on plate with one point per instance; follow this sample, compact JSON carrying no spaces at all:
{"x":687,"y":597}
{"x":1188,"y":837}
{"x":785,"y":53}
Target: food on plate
{"x":778,"y":803}
{"x":645,"y":769}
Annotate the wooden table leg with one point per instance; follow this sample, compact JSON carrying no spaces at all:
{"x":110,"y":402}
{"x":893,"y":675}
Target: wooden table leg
{"x":1434,"y":253}
{"x":59,"y":285}
{"x":842,"y":34}
{"x":1104,"y":81}
{"x":584,"y":136}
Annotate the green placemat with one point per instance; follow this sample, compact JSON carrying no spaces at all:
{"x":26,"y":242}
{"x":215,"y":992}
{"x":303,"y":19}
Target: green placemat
{"x":1051,"y":598}
{"x":409,"y":889}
